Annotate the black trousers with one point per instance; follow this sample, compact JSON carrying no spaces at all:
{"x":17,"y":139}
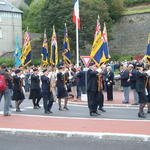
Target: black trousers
{"x":92,"y":101}
{"x":100,"y":99}
{"x":109,"y":92}
{"x":47,"y":105}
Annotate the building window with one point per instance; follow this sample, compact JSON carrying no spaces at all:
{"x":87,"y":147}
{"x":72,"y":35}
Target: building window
{"x":1,"y":34}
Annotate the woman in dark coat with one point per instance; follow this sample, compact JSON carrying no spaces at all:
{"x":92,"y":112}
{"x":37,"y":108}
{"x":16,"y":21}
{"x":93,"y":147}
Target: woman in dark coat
{"x":47,"y":92}
{"x":35,"y":90}
{"x":18,"y":94}
{"x":61,"y":89}
{"x":109,"y":83}
{"x":140,"y":88}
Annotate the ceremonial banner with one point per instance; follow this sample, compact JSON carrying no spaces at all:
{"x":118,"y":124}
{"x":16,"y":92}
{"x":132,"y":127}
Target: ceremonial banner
{"x":54,"y":49}
{"x":100,"y":52}
{"x":44,"y":51}
{"x":26,"y":52}
{"x":17,"y":54}
{"x":66,"y":48}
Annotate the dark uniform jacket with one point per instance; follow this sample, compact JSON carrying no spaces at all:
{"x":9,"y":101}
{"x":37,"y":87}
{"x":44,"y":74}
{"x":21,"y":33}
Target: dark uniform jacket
{"x":133,"y":79}
{"x":124,"y":78}
{"x":17,"y":89}
{"x":110,"y":78}
{"x":61,"y":86}
{"x":35,"y":82}
{"x":140,"y":82}
{"x":92,"y":81}
{"x":45,"y":83}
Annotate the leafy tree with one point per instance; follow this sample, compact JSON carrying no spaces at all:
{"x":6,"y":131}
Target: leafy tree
{"x":43,"y":14}
{"x":29,"y":1}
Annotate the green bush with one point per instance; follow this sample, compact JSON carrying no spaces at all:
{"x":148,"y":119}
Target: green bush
{"x":123,"y":58}
{"x":135,"y":2}
{"x":9,"y":62}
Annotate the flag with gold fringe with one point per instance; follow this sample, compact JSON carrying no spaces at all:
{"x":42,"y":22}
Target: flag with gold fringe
{"x":26,"y":51}
{"x":54,"y":49}
{"x":44,"y":51}
{"x":100,"y":51}
{"x":66,"y":48}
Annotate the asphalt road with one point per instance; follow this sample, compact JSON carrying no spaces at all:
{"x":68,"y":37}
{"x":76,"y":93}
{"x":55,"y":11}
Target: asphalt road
{"x":28,"y":142}
{"x":79,"y":111}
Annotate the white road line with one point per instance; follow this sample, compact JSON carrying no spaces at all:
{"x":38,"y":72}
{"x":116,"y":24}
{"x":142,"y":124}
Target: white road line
{"x":78,"y":118}
{"x":100,"y":135}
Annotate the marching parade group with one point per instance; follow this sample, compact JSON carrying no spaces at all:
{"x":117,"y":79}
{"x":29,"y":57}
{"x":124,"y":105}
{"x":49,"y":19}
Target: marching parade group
{"x":54,"y":84}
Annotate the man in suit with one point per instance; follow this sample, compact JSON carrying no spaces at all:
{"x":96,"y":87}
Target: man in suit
{"x":125,"y":83}
{"x":132,"y":74}
{"x":92,"y":89}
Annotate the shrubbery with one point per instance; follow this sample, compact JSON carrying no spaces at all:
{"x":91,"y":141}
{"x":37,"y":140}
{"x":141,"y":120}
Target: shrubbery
{"x":135,"y":2}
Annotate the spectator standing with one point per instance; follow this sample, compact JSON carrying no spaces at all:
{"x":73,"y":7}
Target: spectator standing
{"x":6,"y":92}
{"x":125,"y":83}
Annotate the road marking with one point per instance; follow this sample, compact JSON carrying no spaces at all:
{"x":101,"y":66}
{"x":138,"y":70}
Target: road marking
{"x":78,"y":118}
{"x":100,"y":135}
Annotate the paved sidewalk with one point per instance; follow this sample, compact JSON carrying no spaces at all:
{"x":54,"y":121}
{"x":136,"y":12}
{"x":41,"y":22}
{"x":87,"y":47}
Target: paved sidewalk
{"x":117,"y":101}
{"x":93,"y":127}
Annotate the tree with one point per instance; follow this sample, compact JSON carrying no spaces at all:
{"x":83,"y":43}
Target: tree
{"x":43,"y":14}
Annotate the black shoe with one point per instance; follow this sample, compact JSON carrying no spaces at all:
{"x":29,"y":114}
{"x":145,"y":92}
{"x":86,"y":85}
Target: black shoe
{"x":47,"y":112}
{"x":38,"y":106}
{"x":60,"y":109}
{"x":66,"y":108}
{"x":7,"y":114}
{"x":98,"y":113}
{"x":101,"y":109}
{"x":93,"y":114}
{"x":35,"y":107}
{"x":148,"y":111}
{"x":50,"y":112}
{"x":141,"y":115}
{"x":18,"y":110}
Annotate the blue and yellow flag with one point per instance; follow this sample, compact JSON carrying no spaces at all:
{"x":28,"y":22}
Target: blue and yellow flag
{"x":100,"y":52}
{"x":54,"y":49}
{"x":148,"y":50}
{"x":66,"y":48}
{"x":26,"y":52}
{"x":17,"y":53}
{"x":44,"y":51}
{"x":148,"y":47}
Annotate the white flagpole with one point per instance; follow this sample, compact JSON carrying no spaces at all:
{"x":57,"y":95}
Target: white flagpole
{"x":77,"y":42}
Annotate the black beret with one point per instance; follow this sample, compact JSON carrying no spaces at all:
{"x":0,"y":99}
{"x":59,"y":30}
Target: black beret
{"x":17,"y":71}
{"x":60,"y":67}
{"x":35,"y":69}
{"x":44,"y":70}
{"x":139,"y":65}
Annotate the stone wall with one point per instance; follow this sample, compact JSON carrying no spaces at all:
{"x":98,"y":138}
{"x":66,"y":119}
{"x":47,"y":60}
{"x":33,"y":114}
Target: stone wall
{"x":130,"y":35}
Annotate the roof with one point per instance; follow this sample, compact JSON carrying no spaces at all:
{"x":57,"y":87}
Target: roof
{"x":8,"y":7}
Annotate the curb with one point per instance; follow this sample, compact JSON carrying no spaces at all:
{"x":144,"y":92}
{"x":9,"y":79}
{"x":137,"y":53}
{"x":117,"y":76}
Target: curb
{"x":107,"y":105}
{"x":104,"y":136}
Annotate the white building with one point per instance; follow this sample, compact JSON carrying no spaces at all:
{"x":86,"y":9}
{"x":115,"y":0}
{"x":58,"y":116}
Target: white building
{"x":10,"y":27}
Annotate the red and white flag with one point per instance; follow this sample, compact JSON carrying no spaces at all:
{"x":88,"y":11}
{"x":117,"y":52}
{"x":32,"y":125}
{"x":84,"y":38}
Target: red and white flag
{"x":76,"y":13}
{"x":98,"y":27}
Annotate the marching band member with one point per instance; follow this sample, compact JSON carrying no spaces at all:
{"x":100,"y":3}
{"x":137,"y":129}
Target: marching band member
{"x":61,"y":89}
{"x":35,"y":90}
{"x":47,"y":92}
{"x":18,"y":94}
